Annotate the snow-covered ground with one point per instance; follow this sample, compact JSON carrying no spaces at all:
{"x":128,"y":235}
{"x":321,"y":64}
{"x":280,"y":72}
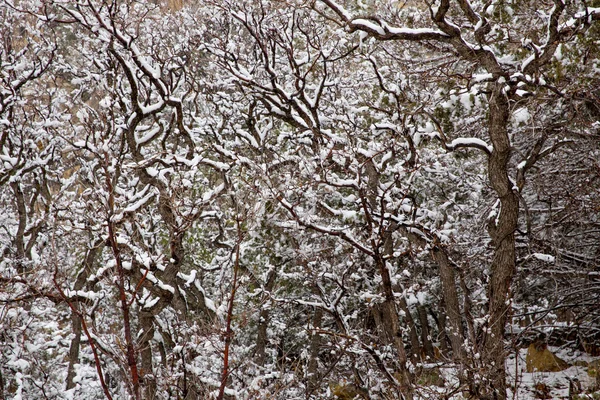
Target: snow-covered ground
{"x":554,"y":384}
{"x":529,"y":386}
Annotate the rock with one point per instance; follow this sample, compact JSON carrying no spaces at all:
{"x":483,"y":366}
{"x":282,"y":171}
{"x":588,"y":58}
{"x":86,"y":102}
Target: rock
{"x":540,"y":359}
{"x":593,"y":367}
{"x":581,"y":363}
{"x":431,"y":377}
{"x":345,"y":391}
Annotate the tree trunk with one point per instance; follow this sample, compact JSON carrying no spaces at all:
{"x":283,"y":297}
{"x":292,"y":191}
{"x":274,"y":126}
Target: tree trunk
{"x":391,"y":328}
{"x":453,"y":312}
{"x":146,"y":373}
{"x":1,"y":386}
{"x":393,"y":322}
{"x":501,"y":229}
{"x":263,"y":323}
{"x":412,"y":331}
{"x":80,"y":282}
{"x":425,"y":336}
{"x":20,"y":235}
{"x":315,"y":345}
{"x":441,"y":323}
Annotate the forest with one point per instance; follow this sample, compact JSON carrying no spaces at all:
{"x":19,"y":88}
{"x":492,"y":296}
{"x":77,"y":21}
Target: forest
{"x":299,"y":199}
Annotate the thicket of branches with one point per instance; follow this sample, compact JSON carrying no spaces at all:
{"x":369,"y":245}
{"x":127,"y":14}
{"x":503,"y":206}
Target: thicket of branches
{"x":294,"y":199}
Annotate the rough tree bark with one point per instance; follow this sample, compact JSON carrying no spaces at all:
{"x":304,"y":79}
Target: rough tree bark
{"x":80,"y":282}
{"x":501,"y":230}
{"x":389,"y":320}
{"x":263,"y":323}
{"x":315,"y":345}
{"x":146,"y":371}
{"x":452,"y":307}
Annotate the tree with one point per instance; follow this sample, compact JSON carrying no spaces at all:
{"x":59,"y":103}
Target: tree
{"x":473,"y":32}
{"x":241,"y":199}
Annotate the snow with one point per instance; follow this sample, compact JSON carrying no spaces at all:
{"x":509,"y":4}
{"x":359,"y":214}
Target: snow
{"x":544,"y":257}
{"x":465,"y":100}
{"x":470,"y":142}
{"x":212,"y":193}
{"x":556,"y":382}
{"x":151,"y":303}
{"x":482,"y":77}
{"x":208,"y":302}
{"x":521,"y":115}
{"x":190,"y":278}
{"x":148,"y":136}
{"x":146,"y":110}
{"x":9,"y":161}
{"x":139,"y":204}
{"x":369,"y":25}
{"x":338,"y":8}
{"x":85,"y":294}
{"x":479,"y":24}
{"x":413,"y":31}
{"x":527,"y":61}
{"x":144,"y":62}
{"x":150,"y":276}
{"x":229,"y":170}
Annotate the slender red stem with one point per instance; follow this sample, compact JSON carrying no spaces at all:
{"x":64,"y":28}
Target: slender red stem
{"x":87,"y":334}
{"x":131,"y":362}
{"x":228,"y":330}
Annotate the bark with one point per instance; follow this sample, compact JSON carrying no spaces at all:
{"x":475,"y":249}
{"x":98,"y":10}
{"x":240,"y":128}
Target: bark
{"x":74,"y":350}
{"x":390,"y":326}
{"x":412,"y":331}
{"x":20,"y":235}
{"x":146,"y":371}
{"x":261,"y":337}
{"x":263,"y":324}
{"x":228,"y":327}
{"x":80,"y":282}
{"x":315,"y":345}
{"x":452,"y":307}
{"x":501,"y":230}
{"x":125,"y":309}
{"x":441,"y":323}
{"x":386,"y":313}
{"x":2,"y":397}
{"x":390,"y":313}
{"x":425,"y":336}
{"x":453,"y":311}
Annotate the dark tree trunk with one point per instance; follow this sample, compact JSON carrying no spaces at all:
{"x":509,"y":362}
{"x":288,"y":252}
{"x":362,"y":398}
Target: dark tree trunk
{"x":1,"y":386}
{"x":315,"y":345}
{"x":425,"y":335}
{"x":390,"y":327}
{"x":501,"y":229}
{"x":146,"y":372}
{"x":453,"y":312}
{"x":80,"y":282}
{"x":263,"y":324}
{"x":412,"y":331}
{"x":441,"y":324}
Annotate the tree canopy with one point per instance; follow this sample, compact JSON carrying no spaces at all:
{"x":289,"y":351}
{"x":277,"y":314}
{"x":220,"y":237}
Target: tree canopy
{"x":296,"y":199}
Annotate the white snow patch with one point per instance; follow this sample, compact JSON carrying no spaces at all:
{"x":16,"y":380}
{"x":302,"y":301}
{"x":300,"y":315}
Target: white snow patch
{"x":544,"y":257}
{"x":470,"y":142}
{"x":521,"y":115}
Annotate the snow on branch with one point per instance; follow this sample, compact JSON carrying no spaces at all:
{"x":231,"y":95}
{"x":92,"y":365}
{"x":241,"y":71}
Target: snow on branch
{"x":473,"y":143}
{"x":323,"y":229}
{"x":381,"y":30}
